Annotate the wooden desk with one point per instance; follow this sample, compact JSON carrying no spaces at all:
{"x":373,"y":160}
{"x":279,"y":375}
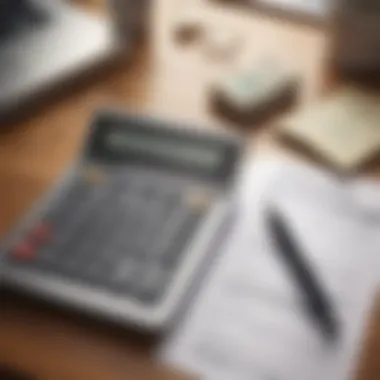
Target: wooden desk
{"x":164,"y":79}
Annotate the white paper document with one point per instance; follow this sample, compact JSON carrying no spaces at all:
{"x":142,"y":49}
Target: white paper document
{"x":248,"y":322}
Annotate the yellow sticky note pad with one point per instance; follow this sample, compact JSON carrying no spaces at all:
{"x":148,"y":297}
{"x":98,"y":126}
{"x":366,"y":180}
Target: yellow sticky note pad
{"x":343,"y":128}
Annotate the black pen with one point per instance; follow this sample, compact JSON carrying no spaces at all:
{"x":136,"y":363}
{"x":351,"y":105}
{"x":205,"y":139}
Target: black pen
{"x":316,"y":300}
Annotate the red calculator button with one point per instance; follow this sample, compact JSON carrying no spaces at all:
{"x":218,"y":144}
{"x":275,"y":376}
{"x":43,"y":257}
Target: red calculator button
{"x":24,"y":251}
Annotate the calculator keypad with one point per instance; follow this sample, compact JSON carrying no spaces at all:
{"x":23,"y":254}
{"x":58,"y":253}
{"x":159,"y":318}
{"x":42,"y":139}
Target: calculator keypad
{"x":127,"y":233}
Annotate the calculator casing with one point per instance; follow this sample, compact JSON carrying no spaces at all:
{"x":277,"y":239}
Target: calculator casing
{"x":105,"y":304}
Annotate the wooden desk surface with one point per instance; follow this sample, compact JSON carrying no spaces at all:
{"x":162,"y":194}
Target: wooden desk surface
{"x":164,"y":79}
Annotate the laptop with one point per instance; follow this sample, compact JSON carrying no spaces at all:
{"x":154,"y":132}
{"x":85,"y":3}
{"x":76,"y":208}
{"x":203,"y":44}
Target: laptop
{"x":42,"y":43}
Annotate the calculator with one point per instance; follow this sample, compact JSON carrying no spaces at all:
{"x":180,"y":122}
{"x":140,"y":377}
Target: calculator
{"x":126,"y":231}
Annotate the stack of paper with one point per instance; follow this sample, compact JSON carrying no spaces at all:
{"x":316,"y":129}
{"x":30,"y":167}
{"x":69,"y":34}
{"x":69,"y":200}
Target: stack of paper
{"x":248,"y":323}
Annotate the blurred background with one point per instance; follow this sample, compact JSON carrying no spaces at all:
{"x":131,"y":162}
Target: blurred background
{"x":184,"y":97}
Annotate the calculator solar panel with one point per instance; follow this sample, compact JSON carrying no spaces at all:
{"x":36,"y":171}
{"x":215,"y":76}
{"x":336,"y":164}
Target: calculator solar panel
{"x":125,"y":232}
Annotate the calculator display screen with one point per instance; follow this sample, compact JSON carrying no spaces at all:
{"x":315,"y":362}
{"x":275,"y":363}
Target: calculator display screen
{"x":185,"y":152}
{"x":128,"y":140}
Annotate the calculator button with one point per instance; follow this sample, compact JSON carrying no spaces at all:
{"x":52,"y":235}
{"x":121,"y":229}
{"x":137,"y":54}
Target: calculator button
{"x":198,"y":199}
{"x":176,"y":249}
{"x":125,"y":271}
{"x":148,"y":297}
{"x":24,"y":251}
{"x":152,"y":284}
{"x":153,"y":279}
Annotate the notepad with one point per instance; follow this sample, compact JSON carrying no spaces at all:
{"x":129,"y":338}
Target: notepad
{"x":343,"y":128}
{"x":247,"y":323}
